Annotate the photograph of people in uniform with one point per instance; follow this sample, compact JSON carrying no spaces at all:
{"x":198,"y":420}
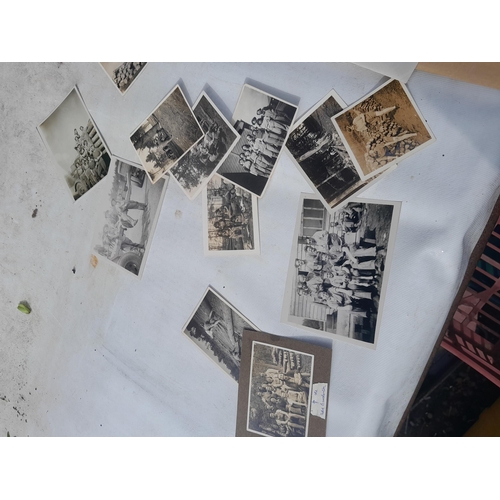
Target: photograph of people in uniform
{"x":317,"y":149}
{"x":339,"y":267}
{"x":280,"y":391}
{"x":383,"y":128}
{"x":169,"y":132}
{"x":230,"y":219}
{"x":74,"y":142}
{"x":263,"y":122}
{"x":127,"y":217}
{"x":194,"y":170}
{"x":216,"y":328}
{"x":123,"y":74}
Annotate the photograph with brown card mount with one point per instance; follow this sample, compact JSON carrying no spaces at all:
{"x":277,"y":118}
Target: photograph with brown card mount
{"x":283,"y":387}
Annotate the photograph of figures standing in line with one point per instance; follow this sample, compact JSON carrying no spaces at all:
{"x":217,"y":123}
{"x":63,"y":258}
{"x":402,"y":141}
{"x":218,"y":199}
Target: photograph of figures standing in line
{"x":127,"y":217}
{"x":339,"y":266}
{"x":194,"y":170}
{"x":166,"y":135}
{"x":123,"y":74}
{"x":71,"y":137}
{"x":383,"y":128}
{"x":216,"y":328}
{"x":230,"y":219}
{"x":320,"y":155}
{"x":280,"y":391}
{"x":263,"y":122}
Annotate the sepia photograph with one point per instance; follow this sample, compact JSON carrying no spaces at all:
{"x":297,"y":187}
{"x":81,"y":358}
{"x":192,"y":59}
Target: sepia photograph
{"x":230,"y":219}
{"x":283,"y":387}
{"x":127,"y":217}
{"x":216,"y":328}
{"x":71,"y":137}
{"x":339,"y":268}
{"x":166,"y":135}
{"x":263,"y":122}
{"x":320,"y":155}
{"x":383,"y":128}
{"x":123,"y":74}
{"x":193,"y":171}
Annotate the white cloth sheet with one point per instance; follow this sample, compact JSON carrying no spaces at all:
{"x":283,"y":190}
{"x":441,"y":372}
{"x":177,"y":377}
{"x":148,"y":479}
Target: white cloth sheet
{"x":399,"y":70}
{"x":103,"y":353}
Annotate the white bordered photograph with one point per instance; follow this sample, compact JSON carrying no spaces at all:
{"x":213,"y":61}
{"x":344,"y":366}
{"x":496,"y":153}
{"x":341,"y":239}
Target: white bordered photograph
{"x":339,"y":267}
{"x":230,"y":219}
{"x":272,"y":383}
{"x":168,"y":133}
{"x":216,"y":328}
{"x":382,"y":128}
{"x":263,"y":122}
{"x":283,"y":387}
{"x":78,"y":149}
{"x":194,"y":170}
{"x":123,"y":74}
{"x":320,"y":155}
{"x":127,"y":216}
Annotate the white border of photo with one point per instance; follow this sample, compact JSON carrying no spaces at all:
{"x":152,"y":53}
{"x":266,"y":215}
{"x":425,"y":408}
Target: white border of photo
{"x":285,"y":314}
{"x":255,"y":227}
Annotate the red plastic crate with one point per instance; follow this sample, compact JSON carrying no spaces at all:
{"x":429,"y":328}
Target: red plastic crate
{"x":473,"y":334}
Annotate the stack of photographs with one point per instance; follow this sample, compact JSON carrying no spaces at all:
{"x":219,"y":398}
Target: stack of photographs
{"x":216,"y":328}
{"x":166,"y":135}
{"x":127,"y":216}
{"x":320,"y":155}
{"x":283,"y":387}
{"x":72,"y":138}
{"x":339,"y":268}
{"x":263,"y":122}
{"x":194,"y":170}
{"x":343,"y":152}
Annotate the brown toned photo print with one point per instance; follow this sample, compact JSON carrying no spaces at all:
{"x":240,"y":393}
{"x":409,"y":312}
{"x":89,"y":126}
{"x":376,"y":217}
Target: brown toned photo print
{"x":383,"y":128}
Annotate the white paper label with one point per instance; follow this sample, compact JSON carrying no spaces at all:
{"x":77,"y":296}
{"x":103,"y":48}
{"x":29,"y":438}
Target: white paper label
{"x":318,"y":400}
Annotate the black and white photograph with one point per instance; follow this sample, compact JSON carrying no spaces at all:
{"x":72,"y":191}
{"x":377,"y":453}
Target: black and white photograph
{"x":339,"y":267}
{"x":128,"y":216}
{"x":216,"y":328}
{"x":382,"y":128}
{"x":169,"y":132}
{"x":123,"y":74}
{"x":230,"y":219}
{"x":320,"y":155}
{"x":280,"y":391}
{"x":193,"y":171}
{"x":71,"y":137}
{"x":283,"y":387}
{"x":263,"y":122}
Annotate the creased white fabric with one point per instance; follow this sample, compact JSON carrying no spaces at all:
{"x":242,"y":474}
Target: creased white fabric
{"x":106,"y":352}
